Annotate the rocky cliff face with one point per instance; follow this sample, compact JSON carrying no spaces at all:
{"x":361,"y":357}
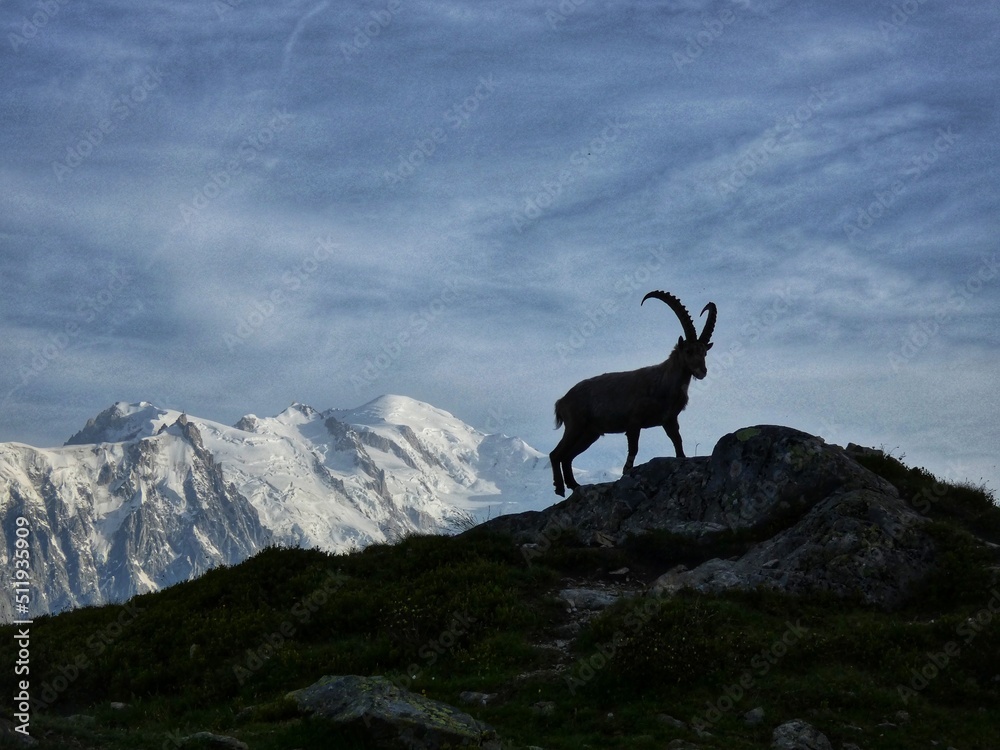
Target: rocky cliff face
{"x":819,"y":521}
{"x":111,"y":521}
{"x":145,"y":497}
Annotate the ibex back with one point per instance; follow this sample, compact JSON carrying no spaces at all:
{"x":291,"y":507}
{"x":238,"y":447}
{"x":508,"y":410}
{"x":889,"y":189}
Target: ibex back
{"x":631,"y":401}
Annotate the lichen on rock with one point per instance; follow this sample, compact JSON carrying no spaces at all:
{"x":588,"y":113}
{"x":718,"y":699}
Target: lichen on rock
{"x":391,"y":716}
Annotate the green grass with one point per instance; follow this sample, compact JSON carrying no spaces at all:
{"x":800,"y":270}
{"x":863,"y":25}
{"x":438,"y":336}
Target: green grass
{"x":969,"y":506}
{"x":444,"y":615}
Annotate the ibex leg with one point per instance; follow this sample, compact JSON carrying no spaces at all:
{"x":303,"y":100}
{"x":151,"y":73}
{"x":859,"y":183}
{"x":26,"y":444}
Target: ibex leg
{"x":561,"y":459}
{"x":581,"y":444}
{"x":555,"y":458}
{"x":633,"y":448}
{"x":674,"y":433}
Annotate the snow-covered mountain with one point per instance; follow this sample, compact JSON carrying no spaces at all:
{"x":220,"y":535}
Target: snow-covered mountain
{"x":144,"y":497}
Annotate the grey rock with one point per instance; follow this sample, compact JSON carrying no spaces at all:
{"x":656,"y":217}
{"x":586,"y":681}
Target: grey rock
{"x":821,"y":521}
{"x":859,"y":450}
{"x":753,"y":717}
{"x":10,"y":737}
{"x":472,"y":698}
{"x":799,"y":735}
{"x":858,"y":543}
{"x":215,"y":741}
{"x":544,"y":708}
{"x":390,"y":716}
{"x":670,"y":720}
{"x":587,"y":598}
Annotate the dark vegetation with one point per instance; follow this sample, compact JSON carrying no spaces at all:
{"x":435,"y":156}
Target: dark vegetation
{"x":444,"y":615}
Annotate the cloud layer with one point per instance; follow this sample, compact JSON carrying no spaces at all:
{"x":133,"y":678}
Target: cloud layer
{"x":226,"y":207}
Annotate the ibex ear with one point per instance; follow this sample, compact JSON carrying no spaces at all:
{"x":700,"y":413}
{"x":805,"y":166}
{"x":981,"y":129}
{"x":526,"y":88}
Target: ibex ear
{"x":709,"y":346}
{"x":680,"y":340}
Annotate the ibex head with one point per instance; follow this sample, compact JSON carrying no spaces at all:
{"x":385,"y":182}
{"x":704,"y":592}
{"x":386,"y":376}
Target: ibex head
{"x":691,"y":347}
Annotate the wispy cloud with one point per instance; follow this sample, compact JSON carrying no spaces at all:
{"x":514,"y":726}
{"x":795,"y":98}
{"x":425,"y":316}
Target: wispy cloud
{"x":825,"y":173}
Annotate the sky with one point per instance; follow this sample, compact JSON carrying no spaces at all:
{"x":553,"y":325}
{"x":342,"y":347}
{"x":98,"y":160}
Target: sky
{"x":227,"y":206}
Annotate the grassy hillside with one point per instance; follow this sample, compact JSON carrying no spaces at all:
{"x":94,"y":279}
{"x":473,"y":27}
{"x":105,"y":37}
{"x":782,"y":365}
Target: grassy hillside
{"x":446,"y":615}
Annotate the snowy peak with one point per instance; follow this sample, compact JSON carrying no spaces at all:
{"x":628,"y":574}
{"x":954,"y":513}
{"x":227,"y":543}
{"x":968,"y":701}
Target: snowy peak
{"x":143,"y":497}
{"x":424,"y":427}
{"x":297,"y":414}
{"x":293,"y":417}
{"x":399,"y":410}
{"x":116,"y":519}
{"x":124,"y":422}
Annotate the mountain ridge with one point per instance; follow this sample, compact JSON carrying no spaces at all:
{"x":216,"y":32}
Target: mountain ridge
{"x":143,"y":497}
{"x":701,"y":602}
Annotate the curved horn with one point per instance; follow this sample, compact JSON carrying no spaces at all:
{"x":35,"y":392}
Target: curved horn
{"x":706,"y":333}
{"x":682,"y":314}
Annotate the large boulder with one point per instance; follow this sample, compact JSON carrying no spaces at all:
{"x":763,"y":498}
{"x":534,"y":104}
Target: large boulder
{"x":854,"y":544}
{"x":391,"y":717}
{"x":819,"y":520}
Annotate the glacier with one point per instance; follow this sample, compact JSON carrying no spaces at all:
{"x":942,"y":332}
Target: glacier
{"x":144,"y":497}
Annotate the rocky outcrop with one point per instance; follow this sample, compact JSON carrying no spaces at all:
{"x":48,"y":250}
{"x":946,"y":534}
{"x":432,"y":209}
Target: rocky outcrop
{"x":818,"y":520}
{"x":391,"y":717}
{"x":799,"y":735}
